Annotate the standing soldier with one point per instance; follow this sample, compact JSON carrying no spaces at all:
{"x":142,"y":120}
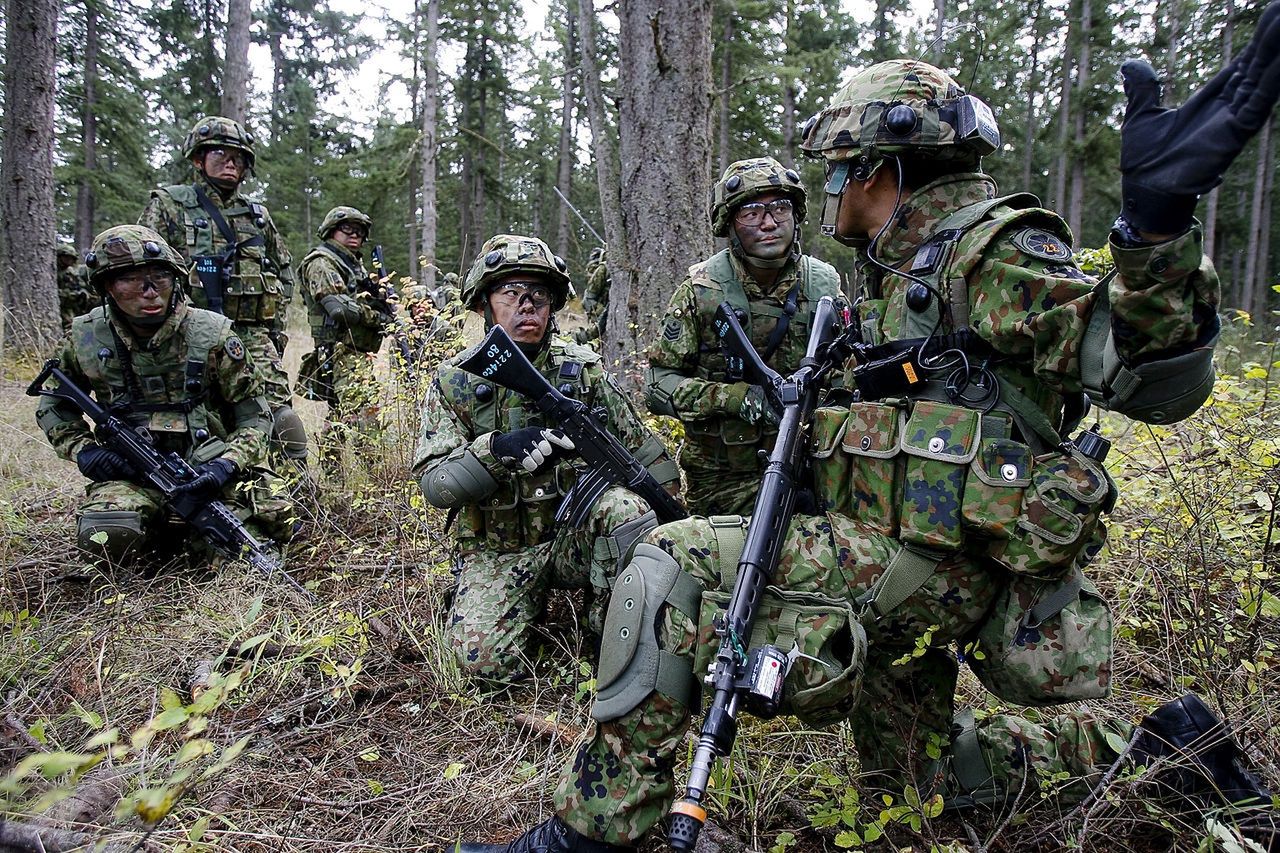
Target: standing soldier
{"x":486,"y":455}
{"x":240,"y":265}
{"x":347,"y":329}
{"x":173,"y":369}
{"x":973,"y":488}
{"x":758,"y":204}
{"x":75,"y":297}
{"x":595,"y":297}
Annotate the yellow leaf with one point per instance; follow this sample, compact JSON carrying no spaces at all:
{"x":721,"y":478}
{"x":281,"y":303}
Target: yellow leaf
{"x":369,"y":755}
{"x":169,"y":699}
{"x":168,"y":719}
{"x":193,"y":749}
{"x":453,"y":770}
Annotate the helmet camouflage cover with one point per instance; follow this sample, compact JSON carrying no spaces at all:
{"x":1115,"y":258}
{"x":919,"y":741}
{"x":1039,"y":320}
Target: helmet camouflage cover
{"x":125,"y":247}
{"x":339,"y":215}
{"x":218,"y":132}
{"x":504,"y":254}
{"x":746,"y":179}
{"x":66,"y":250}
{"x":902,"y":106}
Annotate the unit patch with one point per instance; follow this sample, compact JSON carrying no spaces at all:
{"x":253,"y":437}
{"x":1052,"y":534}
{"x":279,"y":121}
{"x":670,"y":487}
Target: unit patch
{"x":1042,"y":244}
{"x":234,"y":348}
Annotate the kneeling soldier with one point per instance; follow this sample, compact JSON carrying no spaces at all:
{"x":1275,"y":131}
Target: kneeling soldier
{"x":485,"y":454}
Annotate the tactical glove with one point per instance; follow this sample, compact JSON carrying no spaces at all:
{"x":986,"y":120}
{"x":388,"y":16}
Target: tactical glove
{"x":532,"y":448}
{"x":1169,"y":157}
{"x":101,"y":464}
{"x":210,"y":477}
{"x":755,"y":407}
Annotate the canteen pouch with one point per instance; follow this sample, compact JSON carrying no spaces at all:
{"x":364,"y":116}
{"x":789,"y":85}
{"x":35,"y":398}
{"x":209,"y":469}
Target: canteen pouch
{"x":871,"y":440}
{"x":830,"y":466}
{"x":939,"y":441}
{"x":820,"y":692}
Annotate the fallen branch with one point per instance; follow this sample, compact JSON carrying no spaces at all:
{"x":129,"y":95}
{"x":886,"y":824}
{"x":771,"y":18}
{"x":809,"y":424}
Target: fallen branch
{"x":27,"y":838}
{"x":548,"y":730}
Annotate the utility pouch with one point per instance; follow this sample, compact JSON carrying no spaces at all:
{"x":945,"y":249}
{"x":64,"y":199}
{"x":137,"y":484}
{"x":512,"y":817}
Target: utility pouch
{"x":828,"y":645}
{"x":998,"y":478}
{"x":212,"y":275}
{"x":872,"y":439}
{"x":1045,"y":642}
{"x":830,"y":466}
{"x":939,"y":441}
{"x":210,"y":449}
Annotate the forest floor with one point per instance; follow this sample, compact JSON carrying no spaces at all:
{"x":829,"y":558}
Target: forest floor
{"x":191,"y":708}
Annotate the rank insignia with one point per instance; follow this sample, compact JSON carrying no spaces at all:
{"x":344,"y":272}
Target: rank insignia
{"x":671,"y":331}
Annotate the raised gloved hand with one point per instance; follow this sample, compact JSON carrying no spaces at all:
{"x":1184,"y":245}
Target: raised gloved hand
{"x":755,"y":407}
{"x":210,"y":477}
{"x":532,"y":448}
{"x":1169,"y":157}
{"x":101,"y":464}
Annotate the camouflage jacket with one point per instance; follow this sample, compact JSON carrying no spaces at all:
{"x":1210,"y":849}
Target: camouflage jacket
{"x":331,"y":270}
{"x":463,"y":412}
{"x":261,"y":282}
{"x":193,"y":384}
{"x":595,"y":297}
{"x":75,"y":296}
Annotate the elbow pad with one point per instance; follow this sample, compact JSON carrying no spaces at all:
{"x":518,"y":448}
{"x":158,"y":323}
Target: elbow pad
{"x":1157,"y":392}
{"x":659,"y":391}
{"x":461,"y":479}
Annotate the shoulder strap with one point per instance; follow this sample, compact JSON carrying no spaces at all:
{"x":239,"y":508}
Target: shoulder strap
{"x":720,"y":270}
{"x":353,"y":274}
{"x":224,"y":228}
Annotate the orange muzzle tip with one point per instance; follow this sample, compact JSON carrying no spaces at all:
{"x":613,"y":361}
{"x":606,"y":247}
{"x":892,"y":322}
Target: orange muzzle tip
{"x":692,"y":810}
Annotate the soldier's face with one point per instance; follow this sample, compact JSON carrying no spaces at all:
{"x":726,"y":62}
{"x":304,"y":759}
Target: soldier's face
{"x":770,"y":237}
{"x":142,"y":293}
{"x":521,"y":306}
{"x":349,"y":236}
{"x":223,"y":166}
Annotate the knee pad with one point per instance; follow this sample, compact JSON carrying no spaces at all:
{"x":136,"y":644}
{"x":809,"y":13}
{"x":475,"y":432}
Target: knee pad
{"x":123,"y":531}
{"x":631,"y":664}
{"x":288,"y":433}
{"x":609,"y":553}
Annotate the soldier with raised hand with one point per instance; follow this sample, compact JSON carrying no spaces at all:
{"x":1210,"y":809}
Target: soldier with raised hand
{"x":165,"y":366}
{"x":486,"y":455}
{"x":954,"y":483}
{"x":773,"y":287}
{"x":348,"y":331}
{"x":75,"y":297}
{"x":240,"y":265}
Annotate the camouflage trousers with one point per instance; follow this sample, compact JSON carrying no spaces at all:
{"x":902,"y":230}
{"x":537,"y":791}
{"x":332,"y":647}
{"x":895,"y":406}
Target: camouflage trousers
{"x":257,"y":340}
{"x":501,"y":596}
{"x":620,"y":782}
{"x":723,"y":491}
{"x":354,"y":414}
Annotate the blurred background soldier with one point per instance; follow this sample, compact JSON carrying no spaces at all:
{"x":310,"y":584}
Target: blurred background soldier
{"x":240,"y":264}
{"x":486,"y":454}
{"x":75,"y":297}
{"x":595,"y":297}
{"x":173,"y":369}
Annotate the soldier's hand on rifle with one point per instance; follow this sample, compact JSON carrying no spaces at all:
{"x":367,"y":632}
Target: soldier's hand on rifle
{"x":1169,"y":157}
{"x":755,"y":407}
{"x":531,"y":448}
{"x":210,"y":477}
{"x":102,"y":464}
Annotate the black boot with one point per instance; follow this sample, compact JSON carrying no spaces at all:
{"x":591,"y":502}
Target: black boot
{"x":550,"y":836}
{"x":1202,"y":761}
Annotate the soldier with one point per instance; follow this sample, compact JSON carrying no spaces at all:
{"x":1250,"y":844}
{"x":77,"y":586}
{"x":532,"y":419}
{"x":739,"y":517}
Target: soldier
{"x":759,"y":205}
{"x":169,"y":367}
{"x":991,"y":280}
{"x":347,"y":329}
{"x":595,"y":297}
{"x":240,"y":264}
{"x":75,"y":297}
{"x":486,"y":455}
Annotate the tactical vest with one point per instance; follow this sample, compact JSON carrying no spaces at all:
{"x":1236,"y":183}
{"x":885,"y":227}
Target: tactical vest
{"x":323,"y":330}
{"x":254,"y":292}
{"x":520,"y":513}
{"x":167,"y":393}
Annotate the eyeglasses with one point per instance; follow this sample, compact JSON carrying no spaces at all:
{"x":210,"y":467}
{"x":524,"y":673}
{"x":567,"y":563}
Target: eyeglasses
{"x":351,"y":230}
{"x":514,"y":292}
{"x":752,"y":214}
{"x":132,"y":284}
{"x":218,"y":156}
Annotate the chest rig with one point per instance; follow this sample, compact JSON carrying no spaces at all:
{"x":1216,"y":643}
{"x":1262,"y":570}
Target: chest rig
{"x":322,"y":326}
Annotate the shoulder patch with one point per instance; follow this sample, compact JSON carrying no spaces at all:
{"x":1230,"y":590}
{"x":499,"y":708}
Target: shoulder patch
{"x":234,"y":348}
{"x":1041,"y":244}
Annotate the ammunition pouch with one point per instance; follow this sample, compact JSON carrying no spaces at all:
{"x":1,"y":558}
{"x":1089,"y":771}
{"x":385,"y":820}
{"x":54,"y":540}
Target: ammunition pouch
{"x":459,"y":480}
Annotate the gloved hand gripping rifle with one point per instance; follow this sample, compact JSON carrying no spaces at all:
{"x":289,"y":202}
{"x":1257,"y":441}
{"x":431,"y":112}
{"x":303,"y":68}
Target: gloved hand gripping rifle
{"x":499,"y":360}
{"x":742,"y":678}
{"x":165,"y":473}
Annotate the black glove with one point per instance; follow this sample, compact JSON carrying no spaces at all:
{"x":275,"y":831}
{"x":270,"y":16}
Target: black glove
{"x":210,"y":477}
{"x":101,"y":464}
{"x":1169,"y":157}
{"x":532,"y":448}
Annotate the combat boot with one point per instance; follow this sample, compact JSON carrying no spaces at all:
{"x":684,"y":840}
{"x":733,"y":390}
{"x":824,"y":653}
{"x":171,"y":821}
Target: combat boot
{"x":550,"y":836}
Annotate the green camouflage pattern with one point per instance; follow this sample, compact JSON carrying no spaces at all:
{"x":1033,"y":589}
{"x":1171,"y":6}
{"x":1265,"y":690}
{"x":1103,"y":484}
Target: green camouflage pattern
{"x":125,"y":247}
{"x":322,"y":274}
{"x":595,"y":297}
{"x":218,"y":131}
{"x":743,"y":180}
{"x":504,"y":254}
{"x":338,"y":215}
{"x":353,"y":419}
{"x":939,"y":441}
{"x":720,"y":453}
{"x":75,"y":296}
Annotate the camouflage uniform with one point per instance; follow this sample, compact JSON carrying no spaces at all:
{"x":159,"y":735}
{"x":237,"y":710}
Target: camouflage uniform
{"x":508,"y":550}
{"x":193,"y":385}
{"x":688,"y":374}
{"x":595,"y":298}
{"x":913,"y":475}
{"x":75,"y":297}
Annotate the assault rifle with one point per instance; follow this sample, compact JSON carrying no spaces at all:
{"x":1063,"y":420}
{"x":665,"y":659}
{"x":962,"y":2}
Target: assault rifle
{"x":753,"y":679}
{"x":499,"y":360}
{"x":379,"y":296}
{"x":165,"y":472}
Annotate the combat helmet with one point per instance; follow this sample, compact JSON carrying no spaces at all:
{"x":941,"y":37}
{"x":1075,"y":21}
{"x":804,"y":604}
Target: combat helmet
{"x":218,"y":132}
{"x":66,"y":250}
{"x":339,"y":215}
{"x":125,"y":247}
{"x":746,"y":179}
{"x":504,"y":254}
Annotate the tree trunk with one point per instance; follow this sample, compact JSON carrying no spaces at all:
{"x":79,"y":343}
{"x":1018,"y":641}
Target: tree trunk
{"x":664,"y":82}
{"x":1211,"y":204}
{"x":235,"y":71}
{"x":1075,"y":215}
{"x":1058,"y":196}
{"x":789,"y":93}
{"x":429,"y":142}
{"x":1033,"y":88}
{"x":880,"y":24}
{"x":27,"y":263}
{"x":726,"y":88}
{"x":939,"y":29}
{"x":1255,"y":264}
{"x":85,"y":198}
{"x":415,"y":162}
{"x":1266,"y":274}
{"x":277,"y":82}
{"x":568,"y":93}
